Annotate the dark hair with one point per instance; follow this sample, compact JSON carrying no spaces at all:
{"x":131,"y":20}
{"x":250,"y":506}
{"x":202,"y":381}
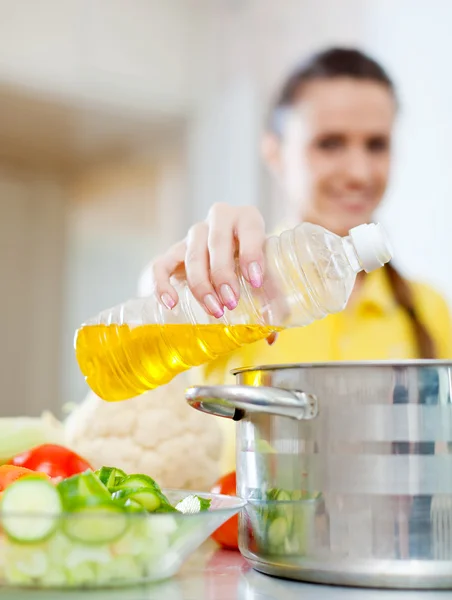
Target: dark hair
{"x":349,"y":62}
{"x":329,"y":64}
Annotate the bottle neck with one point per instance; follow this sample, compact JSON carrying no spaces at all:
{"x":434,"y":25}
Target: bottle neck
{"x":351,"y":254}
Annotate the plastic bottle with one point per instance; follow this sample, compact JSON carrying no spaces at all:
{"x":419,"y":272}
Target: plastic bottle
{"x":309,"y":273}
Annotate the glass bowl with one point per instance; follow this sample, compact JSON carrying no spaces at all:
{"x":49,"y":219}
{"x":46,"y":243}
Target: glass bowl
{"x":280,"y":528}
{"x":145,"y":548}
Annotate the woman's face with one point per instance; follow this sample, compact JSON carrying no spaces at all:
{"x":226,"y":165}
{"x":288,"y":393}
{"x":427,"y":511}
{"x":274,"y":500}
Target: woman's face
{"x":334,"y":156}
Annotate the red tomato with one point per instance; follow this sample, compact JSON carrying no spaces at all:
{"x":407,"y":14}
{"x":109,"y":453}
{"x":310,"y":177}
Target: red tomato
{"x":56,"y":461}
{"x":228,"y":534}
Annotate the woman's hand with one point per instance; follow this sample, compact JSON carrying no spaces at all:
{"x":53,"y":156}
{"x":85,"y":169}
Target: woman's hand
{"x":206,"y":258}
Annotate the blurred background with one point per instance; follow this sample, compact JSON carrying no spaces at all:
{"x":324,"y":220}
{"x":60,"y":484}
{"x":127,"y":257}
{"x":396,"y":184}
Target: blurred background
{"x":122,"y":121}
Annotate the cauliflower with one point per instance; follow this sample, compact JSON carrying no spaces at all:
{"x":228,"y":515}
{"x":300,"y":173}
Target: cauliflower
{"x":157,"y":434}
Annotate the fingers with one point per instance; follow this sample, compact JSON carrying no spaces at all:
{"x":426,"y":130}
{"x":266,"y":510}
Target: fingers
{"x":211,"y":251}
{"x":208,"y":260}
{"x":250,"y":231}
{"x":197,"y":269}
{"x":156,"y":278}
{"x":221,"y":247}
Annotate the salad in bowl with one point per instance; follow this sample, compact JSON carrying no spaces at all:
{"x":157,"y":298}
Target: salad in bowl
{"x":101,"y":528}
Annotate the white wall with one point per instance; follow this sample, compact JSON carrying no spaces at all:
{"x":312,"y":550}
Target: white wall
{"x":223,"y":159}
{"x":137,"y":54}
{"x":119,"y":217}
{"x":418,"y":212}
{"x":32,"y":232}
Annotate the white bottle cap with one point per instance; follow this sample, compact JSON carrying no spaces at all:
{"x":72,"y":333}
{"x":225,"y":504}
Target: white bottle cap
{"x":371,"y":245}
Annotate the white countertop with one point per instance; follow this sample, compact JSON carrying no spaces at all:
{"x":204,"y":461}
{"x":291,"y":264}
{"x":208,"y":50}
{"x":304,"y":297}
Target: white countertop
{"x":214,"y":574}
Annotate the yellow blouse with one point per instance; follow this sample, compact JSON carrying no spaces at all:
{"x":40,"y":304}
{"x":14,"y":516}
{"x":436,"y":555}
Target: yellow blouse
{"x":374,"y":328}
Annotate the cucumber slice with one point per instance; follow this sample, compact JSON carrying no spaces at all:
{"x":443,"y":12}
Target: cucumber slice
{"x":133,"y":482}
{"x":134,"y":507}
{"x":303,"y":533}
{"x":281,"y":508}
{"x":278,"y":531}
{"x":278,"y":495}
{"x":150,"y":499}
{"x":110,"y":476}
{"x":30,"y":510}
{"x":286,"y":509}
{"x":96,"y":524}
{"x":283,"y":496}
{"x":272,"y":494}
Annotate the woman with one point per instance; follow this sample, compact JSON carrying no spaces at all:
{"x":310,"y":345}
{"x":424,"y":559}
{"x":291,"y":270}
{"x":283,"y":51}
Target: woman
{"x":329,"y":144}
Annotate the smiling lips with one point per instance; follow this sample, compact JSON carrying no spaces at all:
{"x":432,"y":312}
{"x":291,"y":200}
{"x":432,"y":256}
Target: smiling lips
{"x":353,"y":202}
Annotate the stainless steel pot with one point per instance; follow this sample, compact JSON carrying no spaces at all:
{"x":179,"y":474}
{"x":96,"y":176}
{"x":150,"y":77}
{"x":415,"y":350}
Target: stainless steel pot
{"x":347,"y":470}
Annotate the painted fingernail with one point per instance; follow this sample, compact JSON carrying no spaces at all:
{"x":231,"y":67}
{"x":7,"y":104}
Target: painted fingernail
{"x":255,"y":274}
{"x":167,"y":301}
{"x":213,"y":306}
{"x":228,"y":296}
{"x":272,"y":338}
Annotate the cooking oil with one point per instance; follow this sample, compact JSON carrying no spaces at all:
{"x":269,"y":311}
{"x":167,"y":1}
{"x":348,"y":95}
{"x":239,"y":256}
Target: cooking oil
{"x":120,"y":362}
{"x":309,"y":273}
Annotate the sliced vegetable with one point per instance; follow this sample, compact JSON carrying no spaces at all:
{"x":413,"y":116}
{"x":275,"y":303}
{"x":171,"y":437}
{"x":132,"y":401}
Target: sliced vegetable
{"x":10,"y":473}
{"x":135,"y":482}
{"x":96,"y":524}
{"x":283,"y":522}
{"x":56,"y":461}
{"x":30,"y":510}
{"x":83,"y":490}
{"x":280,"y":496}
{"x":89,"y":529}
{"x":192,"y":505}
{"x":143,"y":490}
{"x":285,"y":509}
{"x":151,"y":499}
{"x":134,"y":507}
{"x":110,"y":476}
{"x":278,"y":530}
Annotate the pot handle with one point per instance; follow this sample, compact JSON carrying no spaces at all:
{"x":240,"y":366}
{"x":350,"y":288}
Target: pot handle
{"x":233,"y":401}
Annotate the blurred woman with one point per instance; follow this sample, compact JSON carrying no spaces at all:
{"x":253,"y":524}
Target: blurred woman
{"x":328,"y":142}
